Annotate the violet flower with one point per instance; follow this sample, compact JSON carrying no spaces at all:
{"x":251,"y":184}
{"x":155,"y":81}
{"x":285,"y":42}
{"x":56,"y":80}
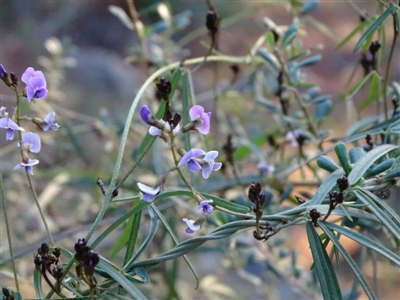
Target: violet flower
{"x":201,"y":118}
{"x":149,"y":193}
{"x":207,"y":164}
{"x":50,"y":122}
{"x":265,"y":168}
{"x":2,"y":70}
{"x":206,"y":207}
{"x":188,"y":158}
{"x":191,"y":225}
{"x":35,"y":84}
{"x":8,"y":124}
{"x":30,"y":144}
{"x":292,"y":137}
{"x":210,"y":165}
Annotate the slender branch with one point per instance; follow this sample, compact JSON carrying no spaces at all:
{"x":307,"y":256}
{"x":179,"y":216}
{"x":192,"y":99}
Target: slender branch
{"x":389,"y":63}
{"x":8,"y":230}
{"x":30,"y":183}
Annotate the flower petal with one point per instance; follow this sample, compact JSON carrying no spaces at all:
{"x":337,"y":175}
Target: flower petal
{"x":217,"y":166}
{"x":211,"y":156}
{"x":147,"y":189}
{"x":190,"y":224}
{"x":204,"y":127}
{"x":195,"y":152}
{"x":33,"y":140}
{"x":9,"y":134}
{"x":206,"y":170}
{"x":145,"y":114}
{"x":196,"y":111}
{"x":194,"y":166}
{"x":148,"y":197}
{"x":41,"y":93}
{"x":28,"y":74}
{"x":154,"y":131}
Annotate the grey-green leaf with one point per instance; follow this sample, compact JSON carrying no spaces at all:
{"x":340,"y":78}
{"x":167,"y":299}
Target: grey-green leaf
{"x":326,"y":163}
{"x":356,"y":270}
{"x":365,"y":241}
{"x":325,"y":272}
{"x":370,"y":30}
{"x":341,"y":152}
{"x":365,"y":162}
{"x":128,"y":286}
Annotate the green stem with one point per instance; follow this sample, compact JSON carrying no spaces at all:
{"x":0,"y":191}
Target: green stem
{"x":10,"y":247}
{"x":30,"y":184}
{"x":389,"y":62}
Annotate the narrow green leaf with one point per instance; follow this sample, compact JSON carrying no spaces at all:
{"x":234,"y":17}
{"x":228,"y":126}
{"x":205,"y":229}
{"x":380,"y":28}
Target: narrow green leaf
{"x":370,"y":30}
{"x":385,"y":217}
{"x":343,"y":208}
{"x":118,"y":222}
{"x":289,"y":35}
{"x":356,"y":270}
{"x":361,"y":166}
{"x":326,"y":163}
{"x":123,"y":238}
{"x":326,"y":274}
{"x":176,"y":241}
{"x":37,"y":283}
{"x":134,"y":232}
{"x":379,"y":168}
{"x":374,"y":93}
{"x":392,"y":174}
{"x":390,"y":211}
{"x":351,"y":35}
{"x":325,"y":187}
{"x":365,"y":241}
{"x":175,"y":79}
{"x":128,"y":286}
{"x":356,"y":88}
{"x":355,"y":154}
{"x":341,"y":152}
{"x":147,"y":241}
{"x":187,"y":100}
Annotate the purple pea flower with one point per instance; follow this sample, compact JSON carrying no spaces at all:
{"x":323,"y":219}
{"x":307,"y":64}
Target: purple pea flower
{"x":210,"y":165}
{"x":149,"y":193}
{"x":191,"y":225}
{"x":10,"y":125}
{"x":146,"y":115}
{"x":206,"y":207}
{"x":188,"y":158}
{"x":265,"y":168}
{"x":206,"y":166}
{"x":201,"y":118}
{"x":50,"y":122}
{"x":35,"y":84}
{"x":292,"y":137}
{"x":2,"y":70}
{"x":30,"y":144}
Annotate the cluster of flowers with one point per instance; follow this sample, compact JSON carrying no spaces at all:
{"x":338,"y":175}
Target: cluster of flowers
{"x":30,"y":142}
{"x":196,"y":159}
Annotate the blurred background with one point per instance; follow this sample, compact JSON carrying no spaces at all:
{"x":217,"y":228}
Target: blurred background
{"x":93,"y":69}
